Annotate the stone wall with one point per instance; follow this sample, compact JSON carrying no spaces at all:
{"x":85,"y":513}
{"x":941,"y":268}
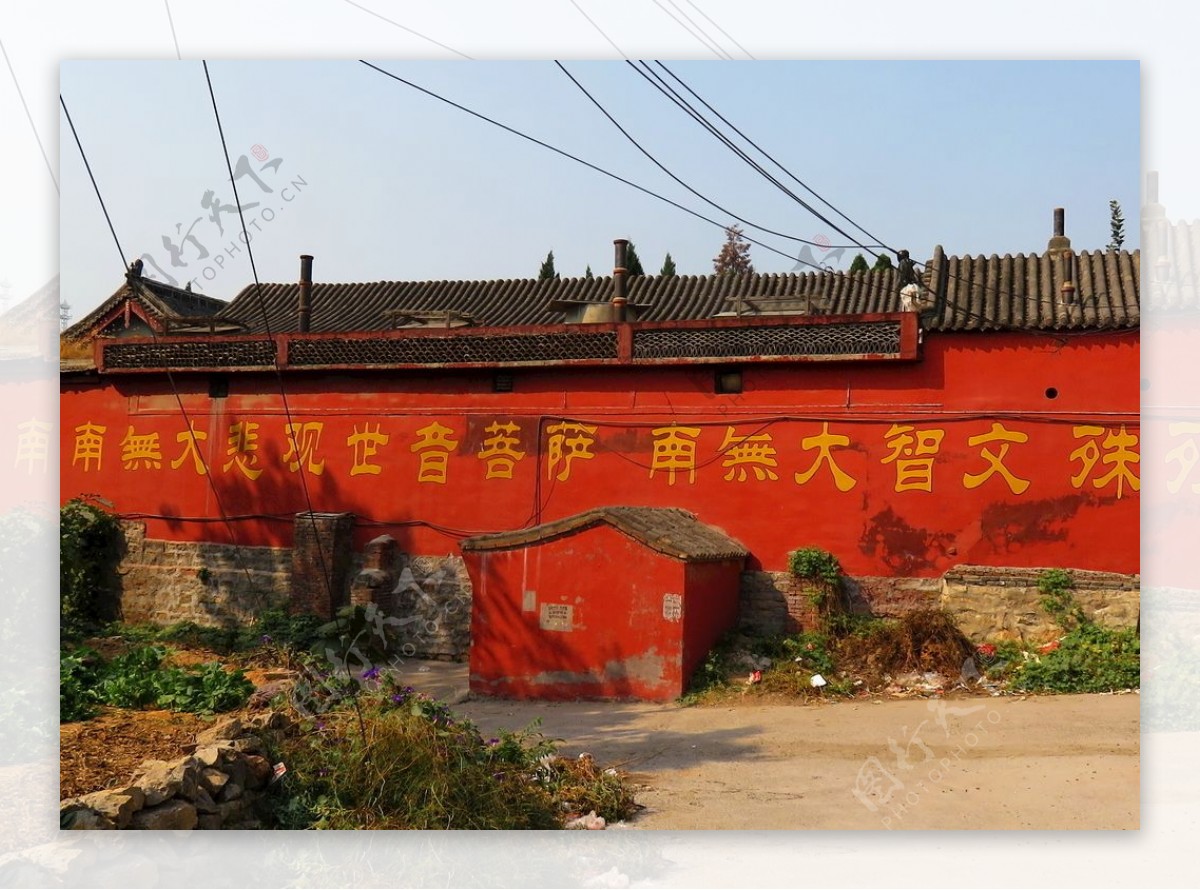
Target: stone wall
{"x":1006,"y":603}
{"x":163,"y":582}
{"x":986,"y":602}
{"x":218,"y":787}
{"x":430,"y":595}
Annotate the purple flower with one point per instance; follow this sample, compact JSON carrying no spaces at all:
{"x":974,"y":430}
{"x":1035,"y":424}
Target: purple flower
{"x":265,"y":639}
{"x":371,"y":674}
{"x":493,"y":742}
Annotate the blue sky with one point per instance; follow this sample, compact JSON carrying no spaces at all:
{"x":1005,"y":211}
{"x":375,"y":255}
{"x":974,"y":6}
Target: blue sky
{"x":388,"y":183}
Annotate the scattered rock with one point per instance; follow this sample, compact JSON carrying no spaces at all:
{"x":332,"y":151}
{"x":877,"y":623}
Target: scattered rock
{"x":223,"y":730}
{"x":76,"y":816}
{"x":117,"y":805}
{"x":232,"y":810}
{"x":160,"y":781}
{"x":258,"y":771}
{"x":205,"y":805}
{"x":172,"y":815}
{"x":210,"y":755}
{"x":214,"y":780}
{"x":232,"y":791}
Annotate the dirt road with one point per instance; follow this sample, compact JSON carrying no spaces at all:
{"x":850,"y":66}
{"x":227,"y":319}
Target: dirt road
{"x":975,"y":763}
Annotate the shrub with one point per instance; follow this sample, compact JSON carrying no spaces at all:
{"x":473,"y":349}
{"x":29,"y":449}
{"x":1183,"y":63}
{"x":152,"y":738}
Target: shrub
{"x":823,"y":574}
{"x":410,"y":764}
{"x":923,"y":640}
{"x":88,"y":538}
{"x":137,"y":679}
{"x":815,"y":564}
{"x":209,"y":690}
{"x":77,"y":674}
{"x":1056,"y":586}
{"x":1090,"y":658}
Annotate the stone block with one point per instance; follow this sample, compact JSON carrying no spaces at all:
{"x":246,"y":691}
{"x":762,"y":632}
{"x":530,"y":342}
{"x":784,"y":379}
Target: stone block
{"x":173,"y":815}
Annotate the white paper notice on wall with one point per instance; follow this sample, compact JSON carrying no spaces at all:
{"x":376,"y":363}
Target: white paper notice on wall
{"x":529,"y":603}
{"x":557,"y":616}
{"x":672,"y":606}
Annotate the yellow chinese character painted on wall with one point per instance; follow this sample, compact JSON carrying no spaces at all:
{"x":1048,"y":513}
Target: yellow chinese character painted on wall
{"x":674,"y":451}
{"x":89,"y":444}
{"x":303,"y":441}
{"x":242,"y":448}
{"x":189,"y":439}
{"x":913,"y":472}
{"x":825,"y":442}
{"x":1186,"y":453}
{"x":33,"y":444}
{"x":568,"y":442}
{"x":754,"y":451}
{"x":995,"y":460}
{"x":366,"y":444}
{"x":1116,"y":450}
{"x":500,"y":450}
{"x":434,"y":447}
{"x":144,"y":448}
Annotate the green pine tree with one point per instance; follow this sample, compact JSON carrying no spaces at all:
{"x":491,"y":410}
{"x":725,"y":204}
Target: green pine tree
{"x":882,"y":262}
{"x":1116,"y":225}
{"x":588,"y":273}
{"x":633,"y":265}
{"x":859,"y":263}
{"x":547,"y":273}
{"x":668,"y":267}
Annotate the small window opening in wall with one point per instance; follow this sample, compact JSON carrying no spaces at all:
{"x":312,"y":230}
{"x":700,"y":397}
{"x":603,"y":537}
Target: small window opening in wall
{"x":502,"y":383}
{"x":218,"y":386}
{"x":729,"y":380}
{"x":1051,"y":393}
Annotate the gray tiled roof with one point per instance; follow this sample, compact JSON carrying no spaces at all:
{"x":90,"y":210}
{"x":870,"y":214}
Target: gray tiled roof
{"x":667,"y":530}
{"x":1174,"y":281}
{"x":161,"y":301}
{"x":969,"y":293}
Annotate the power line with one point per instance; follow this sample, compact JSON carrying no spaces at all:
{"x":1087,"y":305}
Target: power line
{"x":291,"y":426}
{"x":719,"y":28}
{"x":409,"y":30}
{"x":29,"y":117}
{"x":667,"y":90}
{"x":963,"y":310}
{"x":154,"y":335}
{"x":598,"y":28}
{"x":662,"y":167}
{"x":579,"y":160}
{"x":708,"y":46}
{"x":770,"y":157}
{"x":95,"y":187}
{"x":171,"y":22}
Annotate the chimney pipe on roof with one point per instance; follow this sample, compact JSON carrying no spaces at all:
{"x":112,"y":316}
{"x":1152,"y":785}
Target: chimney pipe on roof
{"x":305,"y":302}
{"x":1059,"y":242}
{"x":619,"y":301}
